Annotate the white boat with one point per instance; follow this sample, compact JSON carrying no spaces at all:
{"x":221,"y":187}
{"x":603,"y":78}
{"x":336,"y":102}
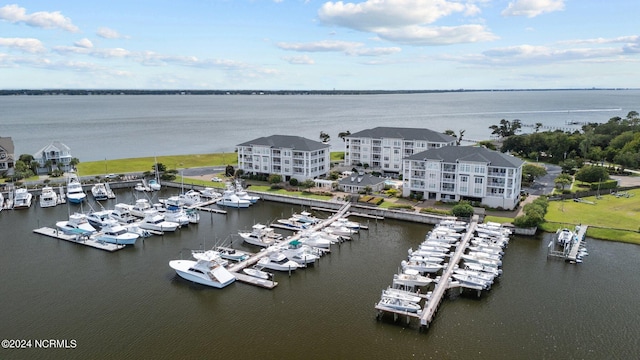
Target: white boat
{"x":136,"y":229}
{"x":190,"y":198}
{"x":301,"y":255}
{"x":492,"y":228}
{"x":48,"y":197}
{"x":411,"y":278}
{"x":482,"y":261}
{"x":258,"y":273}
{"x":102,"y":218}
{"x":278,"y":261}
{"x":398,"y":304}
{"x":344,"y":222}
{"x":22,"y":199}
{"x":261,"y":235}
{"x":232,"y":254}
{"x":478,"y":274}
{"x":75,"y":193}
{"x":422,"y":266}
{"x":142,"y":186}
{"x":488,"y":250}
{"x":401,"y":294}
{"x":209,"y":255}
{"x":76,"y":225}
{"x":315,"y":239}
{"x":437,"y":254}
{"x":306,"y":217}
{"x":426,"y":258}
{"x":138,"y":209}
{"x":564,"y":236}
{"x":471,"y":281}
{"x":294,"y":224}
{"x":243,"y":195}
{"x":122,"y":214}
{"x":210,"y":193}
{"x":230,"y":199}
{"x":154,"y":185}
{"x":153,"y":220}
{"x":101,"y":191}
{"x":177,"y":215}
{"x":455,"y":225}
{"x":206,"y":272}
{"x":193,"y":215}
{"x":484,"y":255}
{"x":1,"y":201}
{"x":116,"y":234}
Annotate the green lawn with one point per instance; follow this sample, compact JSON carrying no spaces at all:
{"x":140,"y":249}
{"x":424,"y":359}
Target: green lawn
{"x":121,"y":166}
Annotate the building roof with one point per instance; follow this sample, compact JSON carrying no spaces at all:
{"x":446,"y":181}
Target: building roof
{"x":361,"y":180}
{"x":6,"y":143}
{"x":287,"y":142}
{"x":54,"y":146}
{"x":453,"y":154}
{"x":403,"y":133}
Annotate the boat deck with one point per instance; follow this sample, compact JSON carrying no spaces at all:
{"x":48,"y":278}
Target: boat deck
{"x":82,"y":240}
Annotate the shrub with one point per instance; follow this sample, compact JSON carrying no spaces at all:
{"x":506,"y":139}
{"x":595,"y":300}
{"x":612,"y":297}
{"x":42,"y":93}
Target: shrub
{"x":463,"y":209}
{"x":293,"y":182}
{"x":275,"y":178}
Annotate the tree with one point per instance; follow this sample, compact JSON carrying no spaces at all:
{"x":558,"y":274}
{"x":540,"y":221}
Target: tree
{"x":344,"y":134}
{"x":229,"y":171}
{"x":592,"y":174}
{"x":487,"y":144}
{"x":537,"y":127}
{"x":457,"y":136}
{"x":74,"y":161}
{"x":563,"y":180}
{"x":463,"y":210}
{"x":324,"y":137}
{"x":530,"y":172}
{"x":159,"y":167}
{"x":506,"y":128}
{"x":275,"y":178}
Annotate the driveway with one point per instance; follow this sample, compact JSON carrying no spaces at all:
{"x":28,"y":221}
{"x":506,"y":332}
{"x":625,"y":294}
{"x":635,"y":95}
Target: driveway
{"x":544,"y":185}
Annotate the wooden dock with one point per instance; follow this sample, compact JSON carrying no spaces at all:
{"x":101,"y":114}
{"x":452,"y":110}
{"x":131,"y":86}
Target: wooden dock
{"x":575,"y":246}
{"x":77,"y":239}
{"x":432,"y":304}
{"x":267,"y":284}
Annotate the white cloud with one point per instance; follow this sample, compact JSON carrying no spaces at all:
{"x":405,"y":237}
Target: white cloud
{"x":299,"y":60}
{"x":407,"y":22}
{"x":107,"y":33}
{"x":28,"y":45}
{"x":532,"y":8}
{"x":42,"y":19}
{"x":84,"y":43}
{"x":346,"y":47}
{"x":379,"y":51}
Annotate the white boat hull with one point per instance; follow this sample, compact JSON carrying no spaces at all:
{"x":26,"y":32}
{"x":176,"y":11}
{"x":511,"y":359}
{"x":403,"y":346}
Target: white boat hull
{"x":219,"y":278}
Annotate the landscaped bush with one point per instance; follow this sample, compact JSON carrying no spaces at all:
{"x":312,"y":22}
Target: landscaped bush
{"x":431,"y":210}
{"x":609,"y":184}
{"x":463,"y":210}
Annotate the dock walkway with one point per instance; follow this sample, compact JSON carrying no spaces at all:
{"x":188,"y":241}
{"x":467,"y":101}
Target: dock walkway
{"x":82,"y":240}
{"x":575,"y":246}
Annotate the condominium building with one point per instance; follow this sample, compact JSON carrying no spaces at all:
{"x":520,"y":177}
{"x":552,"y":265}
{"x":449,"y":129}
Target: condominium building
{"x":383,"y":148}
{"x":289,"y":156}
{"x":53,"y":156}
{"x":454,"y":173}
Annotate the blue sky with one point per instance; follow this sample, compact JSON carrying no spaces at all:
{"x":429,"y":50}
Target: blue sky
{"x":319,"y":45}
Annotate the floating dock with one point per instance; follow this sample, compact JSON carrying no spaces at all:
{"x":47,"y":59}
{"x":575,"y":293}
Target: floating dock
{"x":575,"y":246}
{"x":78,"y":239}
{"x":267,"y":284}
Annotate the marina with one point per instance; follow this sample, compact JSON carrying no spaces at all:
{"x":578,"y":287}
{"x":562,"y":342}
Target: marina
{"x":78,"y":239}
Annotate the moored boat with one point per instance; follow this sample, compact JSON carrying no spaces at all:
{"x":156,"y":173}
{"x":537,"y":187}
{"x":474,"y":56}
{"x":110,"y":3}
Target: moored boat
{"x":76,"y":225}
{"x":209,"y":272}
{"x":116,"y":234}
{"x":48,"y":197}
{"x":75,"y":193}
{"x":22,"y":199}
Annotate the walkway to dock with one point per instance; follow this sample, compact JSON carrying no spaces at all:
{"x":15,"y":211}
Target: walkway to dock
{"x":577,"y":243}
{"x":432,"y":304}
{"x":256,"y":257}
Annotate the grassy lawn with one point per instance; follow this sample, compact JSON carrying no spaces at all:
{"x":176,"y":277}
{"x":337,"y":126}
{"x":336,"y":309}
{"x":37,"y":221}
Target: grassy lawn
{"x":121,"y":166}
{"x":336,"y":156}
{"x":267,"y":189}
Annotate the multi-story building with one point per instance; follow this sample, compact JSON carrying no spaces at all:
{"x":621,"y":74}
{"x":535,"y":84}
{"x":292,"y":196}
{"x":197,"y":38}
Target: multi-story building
{"x":454,"y":173}
{"x":53,"y":156}
{"x":7,"y":157}
{"x":383,"y":148}
{"x":289,"y":156}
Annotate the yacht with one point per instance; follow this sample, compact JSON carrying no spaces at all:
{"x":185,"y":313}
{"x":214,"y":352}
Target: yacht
{"x":256,"y":271}
{"x":471,"y":281}
{"x":261,"y":235}
{"x":22,"y":199}
{"x":401,"y":294}
{"x":316,"y":239}
{"x":77,"y":224}
{"x":230,"y":199}
{"x":122,"y":214}
{"x":399,"y":304}
{"x":117,"y":234}
{"x":101,"y":192}
{"x":153,"y":220}
{"x":138,"y":209}
{"x":243,"y":195}
{"x":176,"y":214}
{"x":422,"y":266}
{"x":75,"y":193}
{"x":210,"y":193}
{"x":232,"y":254}
{"x":301,"y":255}
{"x":278,"y":261}
{"x":48,"y":197}
{"x":564,"y":236}
{"x":344,"y":222}
{"x":205,"y":271}
{"x":306,"y":217}
{"x":102,"y":218}
{"x":294,"y":223}
{"x":411,"y":278}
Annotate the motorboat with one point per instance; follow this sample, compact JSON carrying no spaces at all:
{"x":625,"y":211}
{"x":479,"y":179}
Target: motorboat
{"x":479,"y":274}
{"x":100,"y":219}
{"x":471,"y":281}
{"x":411,"y":278}
{"x":258,"y":273}
{"x":456,"y":225}
{"x":492,"y":228}
{"x":422,"y":266}
{"x":210,"y":193}
{"x":482,"y":261}
{"x":209,"y":255}
{"x":482,"y":268}
{"x":435,"y":254}
{"x":261,"y":235}
{"x":76,"y":225}
{"x":48,"y":197}
{"x":488,"y":250}
{"x":339,"y":230}
{"x":344,"y":222}
{"x":138,"y":209}
{"x":190,"y":198}
{"x":278,"y":261}
{"x":115,"y":233}
{"x":301,"y":255}
{"x":99,"y":192}
{"x":294,"y":224}
{"x":243,"y":195}
{"x":1,"y":201}
{"x":75,"y":193}
{"x":136,"y":229}
{"x":401,"y":294}
{"x":484,"y":255}
{"x":564,"y":236}
{"x":153,"y":220}
{"x":426,"y":259}
{"x":22,"y":199}
{"x":154,"y":185}
{"x":399,"y":304}
{"x":122,"y":214}
{"x":232,"y":254}
{"x":209,"y":272}
{"x":177,"y":215}
{"x":142,"y":186}
{"x":230,"y":199}
{"x":193,"y":215}
{"x":315,"y":239}
{"x":306,"y":217}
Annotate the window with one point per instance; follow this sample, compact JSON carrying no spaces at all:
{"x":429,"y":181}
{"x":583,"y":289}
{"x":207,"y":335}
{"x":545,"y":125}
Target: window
{"x":477,"y":180}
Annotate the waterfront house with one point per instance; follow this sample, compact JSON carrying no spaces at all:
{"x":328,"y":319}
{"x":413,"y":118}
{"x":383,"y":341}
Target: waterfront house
{"x":454,"y":173}
{"x":289,"y":156}
{"x":358,"y":182}
{"x":383,"y":148}
{"x":53,"y":156}
{"x":7,"y":157}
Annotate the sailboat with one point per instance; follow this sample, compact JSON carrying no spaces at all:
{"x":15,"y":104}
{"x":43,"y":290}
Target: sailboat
{"x":154,"y":184}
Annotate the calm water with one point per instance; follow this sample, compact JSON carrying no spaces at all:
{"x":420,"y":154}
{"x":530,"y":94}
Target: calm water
{"x":130,"y":304}
{"x":114,"y":127}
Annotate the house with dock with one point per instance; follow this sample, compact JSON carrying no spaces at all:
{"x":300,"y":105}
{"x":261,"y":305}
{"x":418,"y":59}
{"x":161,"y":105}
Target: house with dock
{"x":383,"y":148}
{"x":289,"y":156}
{"x":53,"y":156}
{"x":454,"y":173}
{"x":7,"y":157}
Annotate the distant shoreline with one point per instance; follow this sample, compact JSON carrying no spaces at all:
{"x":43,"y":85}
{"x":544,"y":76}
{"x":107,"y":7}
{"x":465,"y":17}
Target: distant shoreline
{"x":53,"y":92}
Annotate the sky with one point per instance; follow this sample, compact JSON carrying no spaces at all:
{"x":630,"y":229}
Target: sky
{"x":320,"y":45}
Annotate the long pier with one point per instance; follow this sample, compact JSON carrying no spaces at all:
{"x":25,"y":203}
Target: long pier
{"x":432,"y":304}
{"x":575,"y":246}
{"x":78,"y":239}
